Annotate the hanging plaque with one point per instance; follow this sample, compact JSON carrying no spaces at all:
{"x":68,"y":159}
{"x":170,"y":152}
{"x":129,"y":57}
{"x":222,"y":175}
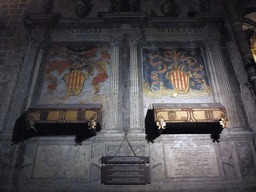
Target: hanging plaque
{"x":132,"y":174}
{"x":125,"y":170}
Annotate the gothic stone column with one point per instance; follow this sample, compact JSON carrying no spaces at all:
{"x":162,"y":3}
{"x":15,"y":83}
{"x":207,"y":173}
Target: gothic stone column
{"x":241,"y":40}
{"x":246,"y":94}
{"x":220,"y":82}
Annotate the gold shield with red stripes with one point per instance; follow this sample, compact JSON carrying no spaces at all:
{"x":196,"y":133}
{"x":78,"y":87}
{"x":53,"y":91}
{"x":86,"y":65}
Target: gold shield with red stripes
{"x":179,"y":79}
{"x":74,"y":82}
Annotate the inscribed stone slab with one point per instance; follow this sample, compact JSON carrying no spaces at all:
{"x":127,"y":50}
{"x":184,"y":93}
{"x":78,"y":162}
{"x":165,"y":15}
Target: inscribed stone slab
{"x":61,"y":162}
{"x":190,"y":160}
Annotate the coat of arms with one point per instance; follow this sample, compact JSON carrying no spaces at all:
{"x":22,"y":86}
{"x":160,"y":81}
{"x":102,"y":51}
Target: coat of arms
{"x":76,"y":73}
{"x":177,"y":76}
{"x":176,"y":72}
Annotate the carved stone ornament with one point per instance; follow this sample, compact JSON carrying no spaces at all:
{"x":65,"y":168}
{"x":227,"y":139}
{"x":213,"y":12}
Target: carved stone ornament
{"x":170,"y":9}
{"x":84,"y":8}
{"x":48,"y":6}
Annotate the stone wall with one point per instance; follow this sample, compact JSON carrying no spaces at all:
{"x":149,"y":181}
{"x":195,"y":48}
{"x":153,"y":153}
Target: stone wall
{"x":188,"y":162}
{"x":12,"y":48}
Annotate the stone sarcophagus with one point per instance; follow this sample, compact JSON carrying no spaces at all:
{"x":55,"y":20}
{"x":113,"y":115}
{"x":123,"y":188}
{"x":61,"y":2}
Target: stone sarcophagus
{"x":66,"y":114}
{"x":185,"y":113}
{"x":54,"y":120}
{"x":194,"y":118}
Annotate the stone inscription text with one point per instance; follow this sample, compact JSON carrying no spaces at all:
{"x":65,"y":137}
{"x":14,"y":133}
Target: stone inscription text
{"x":180,"y":30}
{"x":76,"y":31}
{"x":60,"y":162}
{"x":191,"y":160}
{"x":125,"y":174}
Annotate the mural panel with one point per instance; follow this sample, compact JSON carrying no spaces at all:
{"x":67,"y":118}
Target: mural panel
{"x":176,"y":73}
{"x":76,"y":73}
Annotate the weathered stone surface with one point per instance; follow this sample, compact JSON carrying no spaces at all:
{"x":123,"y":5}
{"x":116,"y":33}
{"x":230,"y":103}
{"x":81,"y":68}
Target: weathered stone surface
{"x":177,"y":162}
{"x":61,"y":162}
{"x":191,"y":160}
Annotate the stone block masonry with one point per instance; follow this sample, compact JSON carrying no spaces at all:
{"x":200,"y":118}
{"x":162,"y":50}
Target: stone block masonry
{"x":12,"y":46}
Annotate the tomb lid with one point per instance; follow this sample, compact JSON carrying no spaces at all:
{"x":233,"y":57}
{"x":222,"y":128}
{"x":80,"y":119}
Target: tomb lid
{"x":186,"y":105}
{"x":73,"y":106}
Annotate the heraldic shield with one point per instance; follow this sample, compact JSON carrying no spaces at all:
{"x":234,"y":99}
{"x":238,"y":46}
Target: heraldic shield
{"x":74,"y":81}
{"x":179,"y":80}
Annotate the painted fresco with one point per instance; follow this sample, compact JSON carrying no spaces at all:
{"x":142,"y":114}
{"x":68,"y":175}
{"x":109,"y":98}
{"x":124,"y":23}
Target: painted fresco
{"x":76,"y":74}
{"x":176,"y":73}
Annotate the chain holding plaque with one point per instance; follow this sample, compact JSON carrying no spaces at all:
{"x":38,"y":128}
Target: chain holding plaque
{"x":125,"y":170}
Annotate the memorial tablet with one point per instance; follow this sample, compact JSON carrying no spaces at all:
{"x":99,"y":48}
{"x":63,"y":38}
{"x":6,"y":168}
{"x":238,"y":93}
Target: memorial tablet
{"x":125,"y":175}
{"x":125,"y":170}
{"x":191,"y":160}
{"x":60,"y":161}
